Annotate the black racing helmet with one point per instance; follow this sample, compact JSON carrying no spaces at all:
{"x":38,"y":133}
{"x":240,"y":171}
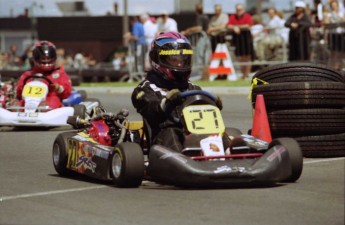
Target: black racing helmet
{"x":171,"y":55}
{"x":44,"y":56}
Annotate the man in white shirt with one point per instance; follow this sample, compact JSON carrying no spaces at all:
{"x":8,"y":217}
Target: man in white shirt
{"x":165,"y":23}
{"x":216,"y":25}
{"x":150,"y":29}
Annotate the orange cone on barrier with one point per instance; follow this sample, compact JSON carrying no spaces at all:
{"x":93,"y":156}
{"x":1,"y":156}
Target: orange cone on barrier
{"x":261,"y":128}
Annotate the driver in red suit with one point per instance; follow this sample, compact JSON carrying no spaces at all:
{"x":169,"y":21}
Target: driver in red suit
{"x":44,"y":62}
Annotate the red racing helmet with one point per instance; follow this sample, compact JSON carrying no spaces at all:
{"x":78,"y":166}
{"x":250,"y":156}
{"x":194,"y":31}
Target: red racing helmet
{"x":171,"y":55}
{"x":44,"y":56}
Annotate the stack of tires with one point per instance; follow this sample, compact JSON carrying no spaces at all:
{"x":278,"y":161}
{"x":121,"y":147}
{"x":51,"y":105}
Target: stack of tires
{"x":305,"y":101}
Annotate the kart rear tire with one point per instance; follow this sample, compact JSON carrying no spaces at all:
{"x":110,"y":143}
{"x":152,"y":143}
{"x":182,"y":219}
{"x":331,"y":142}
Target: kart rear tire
{"x":80,"y":110}
{"x":60,"y":154}
{"x":127,"y":165}
{"x":295,"y":155}
{"x":83,"y":94}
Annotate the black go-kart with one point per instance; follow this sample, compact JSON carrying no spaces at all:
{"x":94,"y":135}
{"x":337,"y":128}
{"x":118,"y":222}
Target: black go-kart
{"x":109,"y":147}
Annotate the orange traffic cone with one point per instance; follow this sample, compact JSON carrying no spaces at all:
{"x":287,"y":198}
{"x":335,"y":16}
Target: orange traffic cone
{"x":261,"y":128}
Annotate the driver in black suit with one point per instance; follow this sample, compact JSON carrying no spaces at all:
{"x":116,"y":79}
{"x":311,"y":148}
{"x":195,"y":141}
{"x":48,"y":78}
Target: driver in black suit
{"x":171,"y":61}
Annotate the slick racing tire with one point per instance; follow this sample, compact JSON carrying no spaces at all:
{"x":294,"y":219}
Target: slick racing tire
{"x":60,"y":154}
{"x":127,"y":165}
{"x":83,"y":94}
{"x":295,"y":155}
{"x":320,"y":146}
{"x":304,"y":122}
{"x":298,"y":72}
{"x":233,"y":132}
{"x":301,"y":95}
{"x":80,"y":111}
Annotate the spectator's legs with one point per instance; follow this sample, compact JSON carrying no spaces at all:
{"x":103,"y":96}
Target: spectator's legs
{"x":245,"y":69}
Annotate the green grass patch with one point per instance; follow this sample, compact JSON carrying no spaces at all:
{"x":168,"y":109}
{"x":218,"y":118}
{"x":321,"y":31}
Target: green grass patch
{"x":202,"y":83}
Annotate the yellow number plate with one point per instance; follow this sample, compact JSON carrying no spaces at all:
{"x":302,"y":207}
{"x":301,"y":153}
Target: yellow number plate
{"x":34,"y":91}
{"x":203,"y":119}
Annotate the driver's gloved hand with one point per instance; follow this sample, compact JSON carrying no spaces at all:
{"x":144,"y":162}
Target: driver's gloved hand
{"x":173,"y":98}
{"x":56,"y":87}
{"x":219,"y":103}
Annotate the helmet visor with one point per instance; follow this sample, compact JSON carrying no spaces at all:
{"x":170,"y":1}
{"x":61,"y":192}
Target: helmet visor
{"x":179,"y":59}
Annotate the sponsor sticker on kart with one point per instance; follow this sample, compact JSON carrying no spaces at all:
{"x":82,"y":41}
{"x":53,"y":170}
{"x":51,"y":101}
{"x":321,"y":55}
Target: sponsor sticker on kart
{"x":212,"y":146}
{"x":203,"y":119}
{"x":34,"y":91}
{"x":24,"y":114}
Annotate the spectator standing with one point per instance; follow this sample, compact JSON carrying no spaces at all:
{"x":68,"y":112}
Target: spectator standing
{"x":216,"y":26}
{"x":258,"y":33}
{"x":150,"y":31}
{"x":4,"y":60}
{"x":14,"y":60}
{"x":336,"y":34}
{"x":299,"y":35}
{"x":138,"y":43}
{"x":165,"y":23}
{"x":60,"y":57}
{"x":275,"y":26}
{"x":335,"y":15}
{"x":201,"y":21}
{"x":26,"y":59}
{"x":150,"y":28}
{"x":197,"y":34}
{"x":240,"y":24}
{"x":276,"y":34}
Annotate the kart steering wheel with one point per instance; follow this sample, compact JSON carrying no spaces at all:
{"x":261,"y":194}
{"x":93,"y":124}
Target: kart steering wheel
{"x":39,"y":76}
{"x":185,"y":94}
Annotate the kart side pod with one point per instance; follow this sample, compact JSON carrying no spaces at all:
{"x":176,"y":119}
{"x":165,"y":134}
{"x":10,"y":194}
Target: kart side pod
{"x":177,"y":169}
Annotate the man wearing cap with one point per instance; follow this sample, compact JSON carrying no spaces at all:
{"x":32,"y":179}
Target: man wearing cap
{"x":165,"y":23}
{"x":299,"y":35}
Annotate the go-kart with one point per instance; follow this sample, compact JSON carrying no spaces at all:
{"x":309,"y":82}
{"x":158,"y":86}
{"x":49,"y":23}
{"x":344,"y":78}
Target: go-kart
{"x":36,"y":114}
{"x":7,"y":93}
{"x":109,"y":147}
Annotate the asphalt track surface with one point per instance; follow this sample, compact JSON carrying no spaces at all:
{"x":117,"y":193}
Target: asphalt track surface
{"x":31,"y":192}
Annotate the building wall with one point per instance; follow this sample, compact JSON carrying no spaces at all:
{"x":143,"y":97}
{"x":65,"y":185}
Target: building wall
{"x":99,"y":36}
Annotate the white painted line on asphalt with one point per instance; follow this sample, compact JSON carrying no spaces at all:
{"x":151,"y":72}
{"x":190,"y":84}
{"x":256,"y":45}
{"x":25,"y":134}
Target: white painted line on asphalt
{"x":5,"y":198}
{"x":323,"y":160}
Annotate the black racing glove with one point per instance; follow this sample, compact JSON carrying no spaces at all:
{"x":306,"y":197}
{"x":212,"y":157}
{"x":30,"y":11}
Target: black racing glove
{"x":219,"y":103}
{"x":172,"y":98}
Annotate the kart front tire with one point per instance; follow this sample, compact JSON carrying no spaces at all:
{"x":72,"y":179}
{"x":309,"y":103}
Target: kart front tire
{"x":60,"y":154}
{"x":80,"y":110}
{"x":233,"y":132}
{"x":295,"y":155}
{"x":127,"y":165}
